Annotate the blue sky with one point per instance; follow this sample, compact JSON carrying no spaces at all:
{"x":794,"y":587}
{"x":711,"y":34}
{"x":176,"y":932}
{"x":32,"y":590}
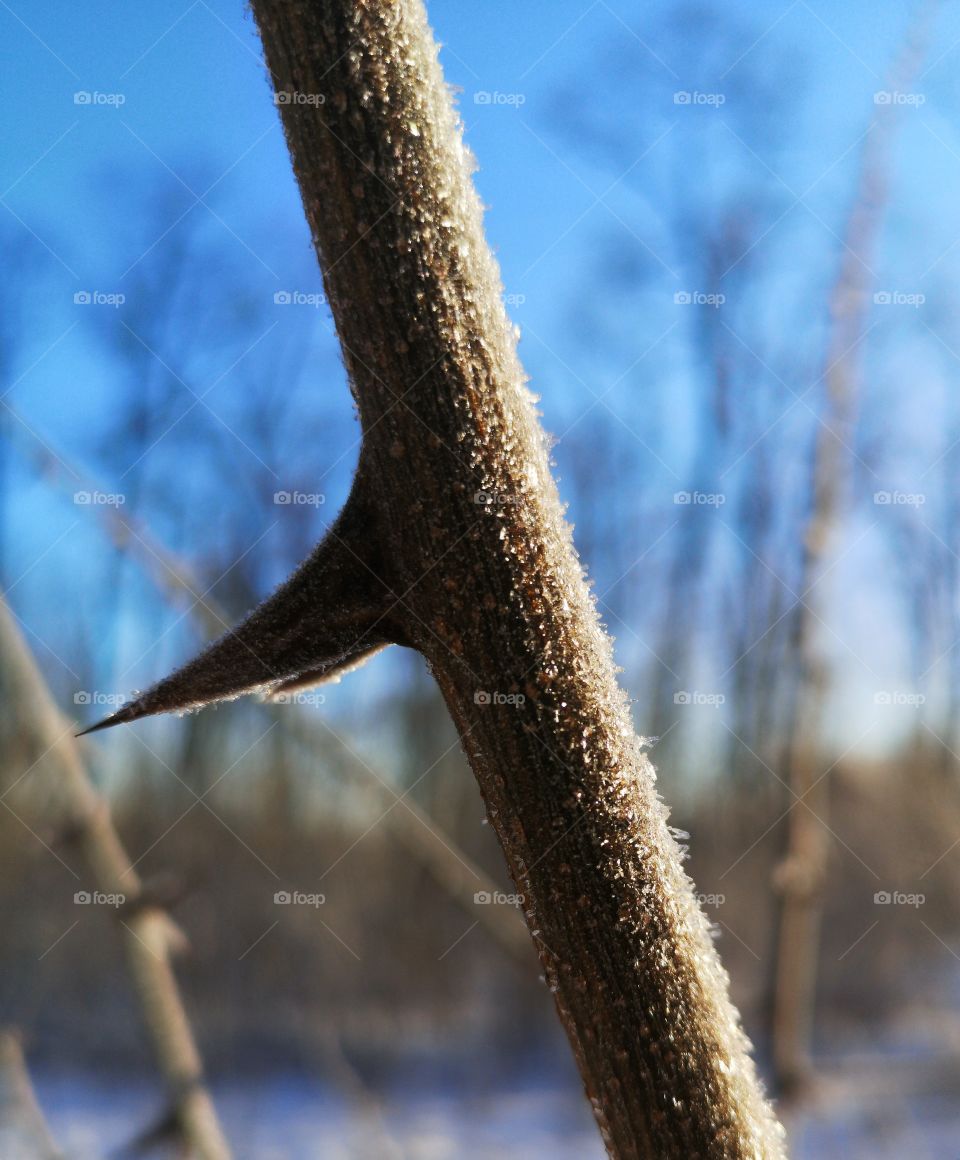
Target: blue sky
{"x":181,"y":145}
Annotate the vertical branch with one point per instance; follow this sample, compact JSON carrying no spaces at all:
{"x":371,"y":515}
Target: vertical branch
{"x":800,"y":877}
{"x":149,"y":935}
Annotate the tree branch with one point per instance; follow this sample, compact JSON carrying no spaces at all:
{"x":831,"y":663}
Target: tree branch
{"x":149,"y":935}
{"x":418,"y":832}
{"x":800,"y":878}
{"x":492,"y":594}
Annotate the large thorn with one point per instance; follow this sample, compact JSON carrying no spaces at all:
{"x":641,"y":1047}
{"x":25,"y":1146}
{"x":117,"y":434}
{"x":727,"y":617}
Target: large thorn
{"x":327,"y":618}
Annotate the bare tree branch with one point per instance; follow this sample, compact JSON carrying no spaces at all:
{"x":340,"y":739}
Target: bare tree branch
{"x":801,"y":876}
{"x":149,"y":935}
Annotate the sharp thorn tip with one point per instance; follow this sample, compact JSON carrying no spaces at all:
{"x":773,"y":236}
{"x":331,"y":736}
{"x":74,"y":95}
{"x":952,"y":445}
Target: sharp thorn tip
{"x":106,"y":723}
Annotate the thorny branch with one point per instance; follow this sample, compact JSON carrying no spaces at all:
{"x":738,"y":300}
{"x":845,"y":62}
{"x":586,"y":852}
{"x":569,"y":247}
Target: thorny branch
{"x":492,"y":595}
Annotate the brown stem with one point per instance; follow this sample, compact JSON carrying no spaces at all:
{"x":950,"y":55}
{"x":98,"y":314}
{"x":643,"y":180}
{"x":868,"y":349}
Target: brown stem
{"x":491,"y":592}
{"x":467,"y":538}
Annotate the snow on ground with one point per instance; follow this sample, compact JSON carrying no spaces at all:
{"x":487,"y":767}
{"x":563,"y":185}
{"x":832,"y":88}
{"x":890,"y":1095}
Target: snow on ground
{"x":291,"y":1117}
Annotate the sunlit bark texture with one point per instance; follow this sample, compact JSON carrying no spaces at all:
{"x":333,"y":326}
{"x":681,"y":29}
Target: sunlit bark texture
{"x":491,"y":593}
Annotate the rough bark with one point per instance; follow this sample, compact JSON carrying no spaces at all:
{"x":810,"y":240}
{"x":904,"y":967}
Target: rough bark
{"x":414,"y":828}
{"x":491,"y":593}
